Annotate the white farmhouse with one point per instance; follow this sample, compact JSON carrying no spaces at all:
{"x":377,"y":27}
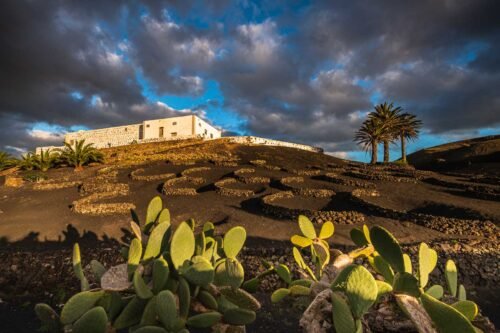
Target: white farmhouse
{"x":174,"y":128}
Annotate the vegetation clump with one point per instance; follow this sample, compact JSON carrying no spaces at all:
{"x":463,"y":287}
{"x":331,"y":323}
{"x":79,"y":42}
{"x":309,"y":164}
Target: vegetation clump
{"x":352,"y":289}
{"x":80,"y":154}
{"x":172,"y":281}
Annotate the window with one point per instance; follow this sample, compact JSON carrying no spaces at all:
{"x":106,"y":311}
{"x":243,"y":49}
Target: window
{"x":126,"y":129}
{"x":199,"y":124}
{"x":206,"y":132}
{"x":147,"y":125}
{"x":173,"y":134}
{"x":161,"y":132}
{"x":174,"y":123}
{"x":211,"y":136}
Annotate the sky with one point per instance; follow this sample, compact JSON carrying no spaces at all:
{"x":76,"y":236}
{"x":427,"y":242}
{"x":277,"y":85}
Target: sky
{"x":302,"y":71}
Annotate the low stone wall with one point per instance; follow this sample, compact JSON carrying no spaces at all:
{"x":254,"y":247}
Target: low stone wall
{"x":380,"y":176}
{"x":104,"y":187}
{"x":136,"y":175}
{"x":88,"y":206}
{"x":335,"y":178}
{"x":190,"y":171}
{"x":169,"y":187}
{"x":258,"y":163}
{"x":305,"y":172}
{"x":13,"y":181}
{"x":220,"y":188}
{"x":253,"y":140}
{"x":269,"y":207}
{"x":53,"y":185}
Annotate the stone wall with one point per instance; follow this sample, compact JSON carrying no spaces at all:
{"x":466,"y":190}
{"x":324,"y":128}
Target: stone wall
{"x":249,"y":140}
{"x":107,"y":137}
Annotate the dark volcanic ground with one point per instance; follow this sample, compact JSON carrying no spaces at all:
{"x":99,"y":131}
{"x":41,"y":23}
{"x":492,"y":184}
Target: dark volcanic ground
{"x":457,"y":214}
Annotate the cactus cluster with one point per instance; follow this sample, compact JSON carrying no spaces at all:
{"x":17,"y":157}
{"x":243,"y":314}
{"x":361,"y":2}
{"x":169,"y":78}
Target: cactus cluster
{"x":355,"y":288}
{"x":172,"y":281}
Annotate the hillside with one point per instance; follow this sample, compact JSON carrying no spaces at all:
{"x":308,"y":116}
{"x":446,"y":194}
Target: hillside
{"x":262,"y":188}
{"x":473,"y":155}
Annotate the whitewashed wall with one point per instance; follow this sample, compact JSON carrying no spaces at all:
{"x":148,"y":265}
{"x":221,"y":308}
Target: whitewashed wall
{"x":269,"y":142}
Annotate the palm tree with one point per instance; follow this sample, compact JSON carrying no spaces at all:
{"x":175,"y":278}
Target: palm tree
{"x":28,"y":161}
{"x":6,"y":160}
{"x":80,"y":154}
{"x":46,"y":160}
{"x":388,"y":115}
{"x":408,"y":128}
{"x":371,"y":132}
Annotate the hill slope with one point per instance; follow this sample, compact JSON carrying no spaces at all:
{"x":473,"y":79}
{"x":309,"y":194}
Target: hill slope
{"x":473,"y":155}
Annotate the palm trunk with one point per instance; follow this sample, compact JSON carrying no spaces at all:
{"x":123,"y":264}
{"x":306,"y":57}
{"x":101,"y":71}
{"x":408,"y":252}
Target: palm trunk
{"x":386,"y":151}
{"x":374,"y":152}
{"x":403,"y":149}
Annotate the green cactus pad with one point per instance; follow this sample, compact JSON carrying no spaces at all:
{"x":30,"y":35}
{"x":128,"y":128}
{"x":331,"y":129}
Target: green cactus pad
{"x":229,"y":273}
{"x":462,"y":294}
{"x":184,"y":295}
{"x":408,"y":266}
{"x":358,"y":237}
{"x":406,"y":283}
{"x":141,"y":289}
{"x":153,"y":248}
{"x":94,"y":320}
{"x":98,"y":269}
{"x":327,"y":230}
{"x":160,"y":274}
{"x":382,"y":267}
{"x":149,"y":315}
{"x":301,"y":241}
{"x":445,"y":317}
{"x":48,"y":317}
{"x":77,"y":262}
{"x":366,"y":232}
{"x":134,"y":255}
{"x":182,"y":245}
{"x":301,"y":263}
{"x":279,"y":294}
{"x":204,"y":320}
{"x":435,"y":291}
{"x":209,"y":229}
{"x":306,"y":227}
{"x":322,"y":253}
{"x":251,"y":285}
{"x":150,"y":329}
{"x":154,"y":208}
{"x":361,"y":290}
{"x":239,"y":316}
{"x":284,"y":273}
{"x":383,"y":288}
{"x":451,"y":275}
{"x":207,"y":300}
{"x":234,"y":241}
{"x":241,"y":298}
{"x":468,"y":308}
{"x":200,"y":272}
{"x":166,"y":309}
{"x":131,"y":314}
{"x":342,"y":316}
{"x":78,"y":304}
{"x":388,"y":247}
{"x":200,"y":244}
{"x":299,"y":290}
{"x":164,"y":216}
{"x":427,"y":260}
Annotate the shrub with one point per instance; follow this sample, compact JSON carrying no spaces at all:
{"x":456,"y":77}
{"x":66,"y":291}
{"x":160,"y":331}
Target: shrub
{"x":80,"y":154}
{"x":172,"y":279}
{"x":6,"y":160}
{"x":34,"y":177}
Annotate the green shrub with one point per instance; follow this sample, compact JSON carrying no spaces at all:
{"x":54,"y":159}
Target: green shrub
{"x":172,"y":280}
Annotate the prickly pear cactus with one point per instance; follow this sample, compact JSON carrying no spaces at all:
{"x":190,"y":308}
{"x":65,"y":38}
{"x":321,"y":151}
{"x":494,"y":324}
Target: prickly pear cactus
{"x":171,"y":281}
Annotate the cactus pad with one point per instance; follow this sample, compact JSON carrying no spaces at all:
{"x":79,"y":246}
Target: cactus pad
{"x":94,"y":320}
{"x":388,"y":247}
{"x":342,"y":316}
{"x":241,"y":298}
{"x":327,"y":230}
{"x":445,"y":317}
{"x":451,"y":277}
{"x":182,"y":245}
{"x":306,"y":227}
{"x":78,"y":304}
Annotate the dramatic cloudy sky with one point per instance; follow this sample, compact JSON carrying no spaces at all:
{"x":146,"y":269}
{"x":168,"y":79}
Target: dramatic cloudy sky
{"x":296,"y":70}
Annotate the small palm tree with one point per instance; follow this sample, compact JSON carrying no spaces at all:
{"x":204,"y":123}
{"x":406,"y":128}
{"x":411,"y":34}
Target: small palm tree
{"x":80,"y":154}
{"x":408,"y":128}
{"x":6,"y":160}
{"x":388,"y":115}
{"x":46,"y":160}
{"x":371,"y":132}
{"x":28,"y":161}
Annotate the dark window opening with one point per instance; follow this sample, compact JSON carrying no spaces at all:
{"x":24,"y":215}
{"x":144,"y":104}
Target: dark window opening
{"x":173,"y":134}
{"x":161,"y":132}
{"x":174,"y":123}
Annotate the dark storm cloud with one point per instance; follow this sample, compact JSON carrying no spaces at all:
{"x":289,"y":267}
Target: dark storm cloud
{"x":305,"y":72}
